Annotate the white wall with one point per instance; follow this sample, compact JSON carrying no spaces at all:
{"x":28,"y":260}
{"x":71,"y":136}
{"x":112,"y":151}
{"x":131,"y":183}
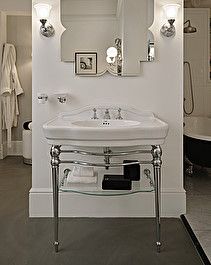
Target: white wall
{"x":158,"y":88}
{"x":196,"y":52}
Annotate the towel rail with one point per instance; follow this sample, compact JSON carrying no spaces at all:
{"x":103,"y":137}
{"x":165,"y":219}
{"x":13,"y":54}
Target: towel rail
{"x":89,"y":164}
{"x":130,"y":152}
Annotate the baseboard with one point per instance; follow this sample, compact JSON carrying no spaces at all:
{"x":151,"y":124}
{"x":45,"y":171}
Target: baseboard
{"x":77,"y":205}
{"x":15,"y":150}
{"x":1,"y":152}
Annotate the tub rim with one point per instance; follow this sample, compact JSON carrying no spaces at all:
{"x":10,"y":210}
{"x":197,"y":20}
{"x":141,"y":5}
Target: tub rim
{"x":197,"y":136}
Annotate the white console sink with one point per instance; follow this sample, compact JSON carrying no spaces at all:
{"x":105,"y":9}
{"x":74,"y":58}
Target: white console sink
{"x":78,"y":129}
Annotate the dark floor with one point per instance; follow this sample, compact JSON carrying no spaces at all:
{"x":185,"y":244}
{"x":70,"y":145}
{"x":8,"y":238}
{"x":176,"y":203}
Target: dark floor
{"x":91,"y":241}
{"x":198,"y":189}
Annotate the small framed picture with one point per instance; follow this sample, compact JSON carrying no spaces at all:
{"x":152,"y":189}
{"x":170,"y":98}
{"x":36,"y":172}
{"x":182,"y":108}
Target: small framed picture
{"x":85,"y":63}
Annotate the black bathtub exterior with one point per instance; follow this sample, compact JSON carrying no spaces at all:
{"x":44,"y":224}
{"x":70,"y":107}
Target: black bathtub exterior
{"x":198,"y":151}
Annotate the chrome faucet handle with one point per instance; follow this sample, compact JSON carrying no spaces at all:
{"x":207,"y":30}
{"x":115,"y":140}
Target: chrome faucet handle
{"x":107,"y":115}
{"x":95,"y":114}
{"x":119,"y":116}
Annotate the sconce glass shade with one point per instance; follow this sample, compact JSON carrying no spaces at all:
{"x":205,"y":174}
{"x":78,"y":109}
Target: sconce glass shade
{"x":171,"y":10}
{"x":112,"y":52}
{"x":43,"y":10}
{"x":43,"y":13}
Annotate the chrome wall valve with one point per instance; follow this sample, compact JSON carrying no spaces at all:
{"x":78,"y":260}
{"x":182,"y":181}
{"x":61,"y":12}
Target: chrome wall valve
{"x":62,"y":99}
{"x":42,"y":98}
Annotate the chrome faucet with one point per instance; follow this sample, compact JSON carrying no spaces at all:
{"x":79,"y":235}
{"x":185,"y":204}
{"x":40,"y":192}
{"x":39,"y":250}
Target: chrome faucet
{"x":107,"y":115}
{"x":95,"y":114}
{"x":119,"y":116}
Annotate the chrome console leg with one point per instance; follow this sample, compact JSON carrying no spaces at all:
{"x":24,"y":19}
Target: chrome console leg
{"x":157,"y":162}
{"x":55,"y":152}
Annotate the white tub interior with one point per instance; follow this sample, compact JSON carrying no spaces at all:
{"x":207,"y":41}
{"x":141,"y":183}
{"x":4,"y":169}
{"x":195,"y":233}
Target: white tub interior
{"x":198,"y":128}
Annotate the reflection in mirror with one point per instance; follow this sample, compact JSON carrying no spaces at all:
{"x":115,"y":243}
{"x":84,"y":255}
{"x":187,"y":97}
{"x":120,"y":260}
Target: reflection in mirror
{"x":94,"y":26}
{"x":114,"y":58}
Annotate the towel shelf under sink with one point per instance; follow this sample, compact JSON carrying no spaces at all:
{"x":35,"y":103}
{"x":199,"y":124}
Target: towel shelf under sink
{"x":145,"y":184}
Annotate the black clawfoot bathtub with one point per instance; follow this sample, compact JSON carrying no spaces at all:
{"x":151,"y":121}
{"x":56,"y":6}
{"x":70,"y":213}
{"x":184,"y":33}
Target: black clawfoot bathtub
{"x":197,"y":140}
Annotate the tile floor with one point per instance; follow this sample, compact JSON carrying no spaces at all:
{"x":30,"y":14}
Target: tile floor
{"x":198,"y":189}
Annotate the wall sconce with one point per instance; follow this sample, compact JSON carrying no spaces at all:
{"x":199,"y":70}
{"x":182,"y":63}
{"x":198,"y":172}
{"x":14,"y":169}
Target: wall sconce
{"x":111,"y":55}
{"x":171,"y":11}
{"x":114,"y":56}
{"x":43,"y":13}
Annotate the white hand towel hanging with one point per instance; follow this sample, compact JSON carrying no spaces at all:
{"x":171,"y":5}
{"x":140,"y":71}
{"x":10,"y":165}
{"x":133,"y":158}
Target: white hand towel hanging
{"x":10,"y":88}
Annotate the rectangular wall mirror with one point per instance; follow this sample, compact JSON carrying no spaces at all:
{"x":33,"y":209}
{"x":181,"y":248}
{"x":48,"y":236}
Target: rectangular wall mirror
{"x":107,"y":35}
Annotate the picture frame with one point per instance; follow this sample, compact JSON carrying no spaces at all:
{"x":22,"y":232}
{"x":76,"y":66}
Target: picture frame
{"x":85,"y":63}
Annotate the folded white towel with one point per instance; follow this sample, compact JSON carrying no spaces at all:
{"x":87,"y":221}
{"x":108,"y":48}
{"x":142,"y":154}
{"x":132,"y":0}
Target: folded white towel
{"x":84,"y":180}
{"x":84,"y":175}
{"x":83,"y":171}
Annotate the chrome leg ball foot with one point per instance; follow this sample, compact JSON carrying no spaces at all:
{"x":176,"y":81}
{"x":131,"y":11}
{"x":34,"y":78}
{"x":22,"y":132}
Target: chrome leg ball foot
{"x":56,"y":246}
{"x":158,"y":244}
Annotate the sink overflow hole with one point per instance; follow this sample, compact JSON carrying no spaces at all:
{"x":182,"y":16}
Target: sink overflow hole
{"x":106,"y":123}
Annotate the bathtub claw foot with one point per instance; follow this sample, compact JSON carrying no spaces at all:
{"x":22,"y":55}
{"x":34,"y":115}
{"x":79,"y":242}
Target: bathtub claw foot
{"x":189,"y":167}
{"x":189,"y":171}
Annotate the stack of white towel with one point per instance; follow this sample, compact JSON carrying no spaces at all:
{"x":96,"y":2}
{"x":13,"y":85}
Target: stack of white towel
{"x":82,"y":175}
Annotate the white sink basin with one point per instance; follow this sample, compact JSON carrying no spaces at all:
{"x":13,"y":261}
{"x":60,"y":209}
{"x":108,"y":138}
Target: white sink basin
{"x":78,"y":129}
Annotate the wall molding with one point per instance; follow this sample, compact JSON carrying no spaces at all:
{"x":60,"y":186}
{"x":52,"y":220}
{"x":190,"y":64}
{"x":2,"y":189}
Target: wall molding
{"x":77,"y":205}
{"x":15,"y":150}
{"x":1,"y":151}
{"x":18,"y":13}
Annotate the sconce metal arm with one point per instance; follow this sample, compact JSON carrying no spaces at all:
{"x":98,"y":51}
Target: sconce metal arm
{"x":46,"y":30}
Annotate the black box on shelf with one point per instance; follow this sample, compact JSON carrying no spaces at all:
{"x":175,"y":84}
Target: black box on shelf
{"x":116,"y":182}
{"x":132,"y":172}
